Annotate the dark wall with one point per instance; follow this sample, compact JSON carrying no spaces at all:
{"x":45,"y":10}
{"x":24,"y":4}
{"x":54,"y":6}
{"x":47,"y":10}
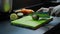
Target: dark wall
{"x":23,"y":3}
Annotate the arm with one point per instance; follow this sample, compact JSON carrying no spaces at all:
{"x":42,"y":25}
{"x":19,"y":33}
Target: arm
{"x":55,"y":11}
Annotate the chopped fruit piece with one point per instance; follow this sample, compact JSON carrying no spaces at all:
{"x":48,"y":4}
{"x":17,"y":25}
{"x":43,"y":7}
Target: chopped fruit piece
{"x":13,"y":16}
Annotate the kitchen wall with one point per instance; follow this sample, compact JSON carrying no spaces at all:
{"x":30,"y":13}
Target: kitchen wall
{"x":23,"y":3}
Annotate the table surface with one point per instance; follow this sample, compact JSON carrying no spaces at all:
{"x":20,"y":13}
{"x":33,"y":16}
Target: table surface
{"x":7,"y":28}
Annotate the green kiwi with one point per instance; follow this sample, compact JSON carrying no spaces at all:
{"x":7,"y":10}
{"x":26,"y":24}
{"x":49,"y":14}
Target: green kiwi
{"x":35,"y":17}
{"x":13,"y":16}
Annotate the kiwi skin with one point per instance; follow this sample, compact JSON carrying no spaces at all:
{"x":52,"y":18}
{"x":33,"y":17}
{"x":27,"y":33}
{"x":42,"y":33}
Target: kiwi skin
{"x":35,"y":17}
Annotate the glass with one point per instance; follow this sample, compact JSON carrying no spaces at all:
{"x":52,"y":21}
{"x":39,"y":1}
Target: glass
{"x":7,"y":5}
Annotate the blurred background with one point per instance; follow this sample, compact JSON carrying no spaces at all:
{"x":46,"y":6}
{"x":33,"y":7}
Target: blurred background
{"x":7,"y":7}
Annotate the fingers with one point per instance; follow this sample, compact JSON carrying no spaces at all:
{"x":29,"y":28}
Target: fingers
{"x":57,"y":14}
{"x":56,"y":11}
{"x":41,"y":9}
{"x":50,"y":10}
{"x":53,"y":14}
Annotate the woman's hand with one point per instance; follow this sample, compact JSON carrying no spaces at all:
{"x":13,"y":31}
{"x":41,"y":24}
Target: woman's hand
{"x":43,"y":10}
{"x":56,"y":11}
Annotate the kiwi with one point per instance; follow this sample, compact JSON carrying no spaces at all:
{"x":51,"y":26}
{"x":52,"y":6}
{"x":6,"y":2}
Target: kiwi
{"x":13,"y":16}
{"x":35,"y":17}
{"x":20,"y":15}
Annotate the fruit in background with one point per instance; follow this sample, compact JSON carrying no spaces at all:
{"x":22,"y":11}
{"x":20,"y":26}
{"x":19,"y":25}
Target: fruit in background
{"x":35,"y":17}
{"x":20,"y":14}
{"x":25,"y":11}
{"x":13,"y":16}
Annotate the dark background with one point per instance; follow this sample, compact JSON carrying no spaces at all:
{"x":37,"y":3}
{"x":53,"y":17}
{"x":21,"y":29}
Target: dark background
{"x":17,"y":4}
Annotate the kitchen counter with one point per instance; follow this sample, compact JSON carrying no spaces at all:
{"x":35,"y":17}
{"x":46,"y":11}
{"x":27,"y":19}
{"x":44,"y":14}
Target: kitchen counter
{"x":7,"y":28}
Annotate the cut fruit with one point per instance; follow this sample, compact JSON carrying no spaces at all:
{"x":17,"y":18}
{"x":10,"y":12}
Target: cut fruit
{"x":13,"y":16}
{"x":35,"y":17}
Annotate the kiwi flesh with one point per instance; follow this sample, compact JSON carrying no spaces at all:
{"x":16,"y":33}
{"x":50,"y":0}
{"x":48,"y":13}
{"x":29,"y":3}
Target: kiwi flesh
{"x":13,"y":16}
{"x":35,"y":17}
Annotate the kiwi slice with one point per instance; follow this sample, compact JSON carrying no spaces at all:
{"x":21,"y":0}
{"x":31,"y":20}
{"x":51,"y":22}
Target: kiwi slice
{"x":20,"y":14}
{"x":13,"y":16}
